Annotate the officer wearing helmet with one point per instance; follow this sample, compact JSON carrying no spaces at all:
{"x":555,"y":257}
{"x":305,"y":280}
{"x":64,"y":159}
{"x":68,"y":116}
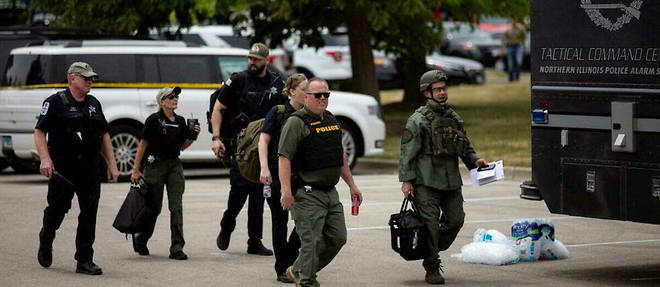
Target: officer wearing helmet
{"x":433,"y":140}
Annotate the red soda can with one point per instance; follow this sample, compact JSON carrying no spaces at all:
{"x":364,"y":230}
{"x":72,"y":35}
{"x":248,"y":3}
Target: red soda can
{"x":355,"y":207}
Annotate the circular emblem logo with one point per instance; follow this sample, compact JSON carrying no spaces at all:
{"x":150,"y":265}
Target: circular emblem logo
{"x":593,"y":10}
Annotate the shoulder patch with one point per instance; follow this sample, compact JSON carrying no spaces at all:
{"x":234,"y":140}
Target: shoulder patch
{"x":406,"y":137}
{"x":44,"y":108}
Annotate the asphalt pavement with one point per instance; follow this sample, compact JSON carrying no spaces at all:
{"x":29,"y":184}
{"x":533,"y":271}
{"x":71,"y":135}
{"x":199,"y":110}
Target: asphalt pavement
{"x":602,"y":252}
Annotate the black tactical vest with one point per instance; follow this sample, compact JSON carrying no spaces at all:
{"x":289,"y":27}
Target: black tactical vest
{"x":322,"y":148}
{"x":79,"y":131}
{"x":258,"y":97}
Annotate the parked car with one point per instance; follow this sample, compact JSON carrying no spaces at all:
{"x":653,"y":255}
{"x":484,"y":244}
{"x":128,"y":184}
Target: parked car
{"x":227,"y":36}
{"x":15,"y":37}
{"x":468,"y":41}
{"x":130,"y":75}
{"x":494,"y":25}
{"x":458,"y":70}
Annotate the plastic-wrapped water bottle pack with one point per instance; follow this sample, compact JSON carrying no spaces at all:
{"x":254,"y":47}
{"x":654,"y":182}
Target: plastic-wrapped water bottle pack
{"x":531,"y":240}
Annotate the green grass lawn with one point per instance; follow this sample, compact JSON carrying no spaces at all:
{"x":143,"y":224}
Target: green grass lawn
{"x":496,"y":115}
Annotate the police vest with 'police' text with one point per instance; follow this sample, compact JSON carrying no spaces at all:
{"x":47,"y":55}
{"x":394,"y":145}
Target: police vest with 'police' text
{"x":322,"y":148}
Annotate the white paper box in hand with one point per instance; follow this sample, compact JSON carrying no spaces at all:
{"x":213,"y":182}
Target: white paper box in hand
{"x":484,"y":175}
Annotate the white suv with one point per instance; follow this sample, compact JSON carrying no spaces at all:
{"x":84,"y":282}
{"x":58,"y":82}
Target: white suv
{"x":130,"y":76}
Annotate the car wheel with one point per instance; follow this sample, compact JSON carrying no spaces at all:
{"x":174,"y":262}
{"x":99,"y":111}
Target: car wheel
{"x":349,"y":141}
{"x":3,"y":164}
{"x":25,"y":166}
{"x":479,"y":79}
{"x":124,"y":141}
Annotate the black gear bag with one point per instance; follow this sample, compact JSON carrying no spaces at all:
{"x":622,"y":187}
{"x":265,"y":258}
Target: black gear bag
{"x":134,"y":212}
{"x":409,"y":235}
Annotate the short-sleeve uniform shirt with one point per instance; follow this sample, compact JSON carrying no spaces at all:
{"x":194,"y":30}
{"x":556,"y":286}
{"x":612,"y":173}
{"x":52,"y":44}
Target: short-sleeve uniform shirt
{"x":273,"y":127}
{"x":74,"y":128}
{"x":165,"y":137}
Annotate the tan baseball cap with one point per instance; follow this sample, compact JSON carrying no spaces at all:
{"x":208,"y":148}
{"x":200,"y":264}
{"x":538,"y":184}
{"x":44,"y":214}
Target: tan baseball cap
{"x":82,"y":69}
{"x":166,"y":91}
{"x":259,"y":51}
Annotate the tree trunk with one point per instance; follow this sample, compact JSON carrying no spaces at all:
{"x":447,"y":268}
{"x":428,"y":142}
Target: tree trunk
{"x":362,"y":58}
{"x":412,"y":69}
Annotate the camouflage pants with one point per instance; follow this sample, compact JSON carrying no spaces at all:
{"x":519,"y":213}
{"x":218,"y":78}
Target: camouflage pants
{"x":443,"y":215}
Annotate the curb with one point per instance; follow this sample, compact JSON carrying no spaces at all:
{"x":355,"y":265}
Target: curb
{"x":514,"y":173}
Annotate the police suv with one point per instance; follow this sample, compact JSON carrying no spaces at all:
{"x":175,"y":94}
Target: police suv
{"x":131,"y":73}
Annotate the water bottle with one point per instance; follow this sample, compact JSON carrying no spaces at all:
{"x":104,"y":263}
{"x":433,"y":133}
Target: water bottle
{"x":414,"y":241}
{"x":267,"y":190}
{"x":355,"y":207}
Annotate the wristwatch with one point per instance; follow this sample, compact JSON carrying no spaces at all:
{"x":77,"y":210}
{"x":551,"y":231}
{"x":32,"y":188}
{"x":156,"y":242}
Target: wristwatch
{"x":214,"y":138}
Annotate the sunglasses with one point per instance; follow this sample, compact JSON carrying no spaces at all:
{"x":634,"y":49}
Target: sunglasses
{"x":171,"y":96}
{"x":88,"y":79}
{"x":319,"y":95}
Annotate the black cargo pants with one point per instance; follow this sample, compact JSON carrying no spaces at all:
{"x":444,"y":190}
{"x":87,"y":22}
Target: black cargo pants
{"x":239,"y":192}
{"x":286,"y":251}
{"x":84,"y":174}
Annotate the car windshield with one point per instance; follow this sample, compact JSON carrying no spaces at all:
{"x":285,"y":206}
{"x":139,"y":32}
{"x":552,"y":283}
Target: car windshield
{"x":466,"y":31}
{"x":495,"y":20}
{"x":336,"y":40}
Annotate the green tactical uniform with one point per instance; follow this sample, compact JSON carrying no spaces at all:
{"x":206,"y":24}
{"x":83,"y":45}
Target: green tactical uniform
{"x":432,"y":142}
{"x":318,"y":213}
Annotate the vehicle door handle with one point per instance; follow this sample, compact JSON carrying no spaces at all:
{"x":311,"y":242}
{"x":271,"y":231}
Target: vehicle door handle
{"x":150,"y":105}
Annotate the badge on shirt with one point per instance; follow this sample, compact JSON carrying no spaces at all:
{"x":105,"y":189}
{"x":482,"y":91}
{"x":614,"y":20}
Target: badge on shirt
{"x":228,"y":82}
{"x":44,"y":108}
{"x":151,"y":159}
{"x":273,"y":91}
{"x":92,"y":109}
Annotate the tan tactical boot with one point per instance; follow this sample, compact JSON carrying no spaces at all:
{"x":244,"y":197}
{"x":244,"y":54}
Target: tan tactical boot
{"x":434,"y":277}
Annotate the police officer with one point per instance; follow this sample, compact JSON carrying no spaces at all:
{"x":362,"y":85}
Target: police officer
{"x":164,"y":136}
{"x":286,"y":252}
{"x":311,"y":146}
{"x":433,"y":140}
{"x":245,"y":97}
{"x":71,"y":157}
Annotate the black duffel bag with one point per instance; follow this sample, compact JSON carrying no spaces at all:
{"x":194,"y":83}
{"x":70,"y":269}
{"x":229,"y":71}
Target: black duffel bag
{"x":409,"y":235}
{"x":134,"y":212}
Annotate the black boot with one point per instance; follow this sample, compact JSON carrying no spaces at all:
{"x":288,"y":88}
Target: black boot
{"x":257,"y":248}
{"x":179,"y":255}
{"x":45,"y":253}
{"x":139,"y":247}
{"x":88,"y":268}
{"x":223,"y":240}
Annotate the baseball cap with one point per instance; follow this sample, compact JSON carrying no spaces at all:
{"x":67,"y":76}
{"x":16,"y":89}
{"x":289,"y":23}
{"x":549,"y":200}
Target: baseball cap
{"x":259,"y":51}
{"x":166,"y":91}
{"x":82,"y":69}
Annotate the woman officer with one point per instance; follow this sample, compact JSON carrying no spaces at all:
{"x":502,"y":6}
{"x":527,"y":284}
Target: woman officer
{"x":164,"y":136}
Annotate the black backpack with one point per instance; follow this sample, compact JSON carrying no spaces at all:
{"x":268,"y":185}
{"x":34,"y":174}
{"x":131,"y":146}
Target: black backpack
{"x":134,"y":212}
{"x":226,"y":119}
{"x":408,"y":233}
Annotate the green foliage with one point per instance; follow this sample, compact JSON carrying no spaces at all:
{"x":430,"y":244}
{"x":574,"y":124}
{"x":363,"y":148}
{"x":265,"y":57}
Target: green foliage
{"x":124,"y":17}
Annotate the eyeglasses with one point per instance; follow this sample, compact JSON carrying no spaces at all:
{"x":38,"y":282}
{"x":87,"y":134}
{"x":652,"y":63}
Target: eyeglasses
{"x":171,"y":96}
{"x":319,"y":95}
{"x":439,"y":89}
